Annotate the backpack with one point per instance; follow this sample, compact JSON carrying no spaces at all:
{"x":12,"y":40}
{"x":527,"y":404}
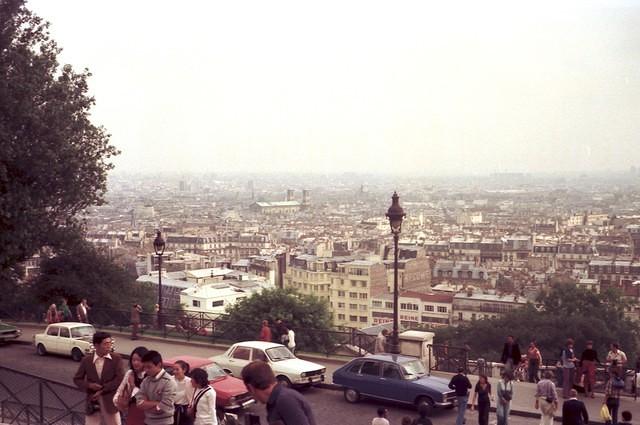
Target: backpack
{"x":618,"y":383}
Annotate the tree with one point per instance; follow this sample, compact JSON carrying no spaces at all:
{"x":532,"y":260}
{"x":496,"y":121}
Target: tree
{"x":568,"y":312}
{"x":307,"y":315}
{"x":54,"y":161}
{"x":79,"y":271}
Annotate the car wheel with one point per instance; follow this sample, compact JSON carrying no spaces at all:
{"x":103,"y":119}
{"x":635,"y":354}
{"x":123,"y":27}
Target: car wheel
{"x":284,"y":381}
{"x":351,"y":395}
{"x":424,"y":400}
{"x":76,"y":354}
{"x":41,"y":350}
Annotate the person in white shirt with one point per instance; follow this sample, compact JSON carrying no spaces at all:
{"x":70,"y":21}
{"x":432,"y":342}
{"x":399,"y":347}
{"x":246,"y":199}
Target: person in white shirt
{"x":184,"y":393}
{"x":291,"y":344}
{"x":381,"y":419}
{"x":203,"y":404}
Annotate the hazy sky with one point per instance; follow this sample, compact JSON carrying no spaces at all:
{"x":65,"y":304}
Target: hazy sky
{"x":363,"y":86}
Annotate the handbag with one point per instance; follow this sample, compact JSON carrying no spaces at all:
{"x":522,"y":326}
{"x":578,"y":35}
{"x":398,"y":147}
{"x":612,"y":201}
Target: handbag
{"x":605,"y":415}
{"x":617,"y":383}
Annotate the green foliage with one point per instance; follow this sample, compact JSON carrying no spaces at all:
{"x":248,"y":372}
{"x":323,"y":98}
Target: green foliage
{"x":54,"y":160}
{"x":79,"y":271}
{"x":308,"y":316}
{"x":568,"y":312}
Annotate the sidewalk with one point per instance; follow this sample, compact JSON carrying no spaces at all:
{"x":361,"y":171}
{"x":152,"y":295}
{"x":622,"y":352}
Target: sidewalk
{"x":522,"y":404}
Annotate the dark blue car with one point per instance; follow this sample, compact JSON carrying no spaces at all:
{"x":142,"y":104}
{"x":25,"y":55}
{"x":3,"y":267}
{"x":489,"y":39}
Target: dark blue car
{"x":398,"y":378}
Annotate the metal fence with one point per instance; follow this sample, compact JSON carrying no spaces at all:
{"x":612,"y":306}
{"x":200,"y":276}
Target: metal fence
{"x":27,"y":399}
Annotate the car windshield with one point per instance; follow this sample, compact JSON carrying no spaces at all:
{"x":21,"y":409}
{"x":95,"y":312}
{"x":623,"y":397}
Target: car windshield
{"x":82,"y":331}
{"x":279,"y":353}
{"x":214,"y":372}
{"x":413,"y":369}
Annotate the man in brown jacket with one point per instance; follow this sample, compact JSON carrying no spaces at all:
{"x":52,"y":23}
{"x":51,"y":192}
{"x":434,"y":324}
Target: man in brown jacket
{"x":100,"y":374}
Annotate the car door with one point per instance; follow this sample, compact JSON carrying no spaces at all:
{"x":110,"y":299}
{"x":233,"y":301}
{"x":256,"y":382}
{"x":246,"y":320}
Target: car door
{"x":369,"y":377}
{"x":50,"y":339}
{"x":239,"y":358}
{"x":64,"y":342}
{"x":392,"y":383}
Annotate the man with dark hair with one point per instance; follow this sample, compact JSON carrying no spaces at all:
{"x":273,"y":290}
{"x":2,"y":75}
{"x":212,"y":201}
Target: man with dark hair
{"x":283,"y":404}
{"x":462,"y":385}
{"x":510,"y":354}
{"x":574,"y":411}
{"x":157,"y":392}
{"x":100,"y":375}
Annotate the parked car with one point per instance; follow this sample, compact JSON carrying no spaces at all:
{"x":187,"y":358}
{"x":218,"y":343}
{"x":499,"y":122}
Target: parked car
{"x":68,"y":338}
{"x":398,"y":378}
{"x":289,"y":369}
{"x":231,"y":393}
{"x":8,"y":332}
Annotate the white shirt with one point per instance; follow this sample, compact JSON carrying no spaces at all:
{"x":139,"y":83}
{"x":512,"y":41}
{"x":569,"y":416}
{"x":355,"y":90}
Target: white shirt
{"x":99,"y":363}
{"x":292,"y":339}
{"x":380,"y":421}
{"x":206,"y":408}
{"x":184,"y":391}
{"x":620,"y":356}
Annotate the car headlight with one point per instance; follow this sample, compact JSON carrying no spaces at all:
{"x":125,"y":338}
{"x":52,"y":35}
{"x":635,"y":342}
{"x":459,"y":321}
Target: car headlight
{"x":303,"y":374}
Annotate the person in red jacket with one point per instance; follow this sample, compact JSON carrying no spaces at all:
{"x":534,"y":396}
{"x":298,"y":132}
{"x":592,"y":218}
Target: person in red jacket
{"x":265,"y":332}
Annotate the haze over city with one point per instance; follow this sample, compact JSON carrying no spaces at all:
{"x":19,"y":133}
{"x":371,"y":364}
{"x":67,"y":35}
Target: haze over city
{"x":365,"y":87}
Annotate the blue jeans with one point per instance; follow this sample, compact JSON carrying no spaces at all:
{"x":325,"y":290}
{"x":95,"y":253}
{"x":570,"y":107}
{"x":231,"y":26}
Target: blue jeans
{"x":462,"y":407}
{"x":502,"y":412}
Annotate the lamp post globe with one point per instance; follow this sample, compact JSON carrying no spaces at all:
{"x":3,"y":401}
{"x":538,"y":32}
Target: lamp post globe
{"x":158,"y":247}
{"x":395,"y":214}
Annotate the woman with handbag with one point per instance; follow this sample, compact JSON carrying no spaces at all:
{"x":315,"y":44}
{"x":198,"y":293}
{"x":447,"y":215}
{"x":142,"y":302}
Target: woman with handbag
{"x":202,"y":408}
{"x":483,"y":394}
{"x":184,"y":393}
{"x":130,"y":385}
{"x":504,"y":397}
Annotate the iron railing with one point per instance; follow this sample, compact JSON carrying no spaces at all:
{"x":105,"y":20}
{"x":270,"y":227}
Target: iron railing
{"x":27,"y":399}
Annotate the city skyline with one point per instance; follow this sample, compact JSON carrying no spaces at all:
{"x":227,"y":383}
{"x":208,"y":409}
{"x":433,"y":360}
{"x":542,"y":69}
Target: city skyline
{"x":360,"y":87}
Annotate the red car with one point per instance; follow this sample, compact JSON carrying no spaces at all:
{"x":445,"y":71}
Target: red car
{"x":231,"y":393}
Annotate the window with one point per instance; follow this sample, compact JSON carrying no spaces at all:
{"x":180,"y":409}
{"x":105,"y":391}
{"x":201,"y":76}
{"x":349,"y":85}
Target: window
{"x":259,"y":355}
{"x":388,"y":305}
{"x":64,"y":333}
{"x":341,"y":293}
{"x":340,"y":316}
{"x":363,"y":319}
{"x":442,"y":309}
{"x":340,"y":305}
{"x":353,"y":295}
{"x":353,"y":318}
{"x":218,"y":303}
{"x":428,"y":308}
{"x":390,"y":371}
{"x":364,"y":307}
{"x":354,"y":283}
{"x":355,"y":368}
{"x":376,"y":303}
{"x":370,"y":368}
{"x":353,"y":306}
{"x":195,"y":303}
{"x":363,"y":296}
{"x":363,"y":284}
{"x":242,"y":353}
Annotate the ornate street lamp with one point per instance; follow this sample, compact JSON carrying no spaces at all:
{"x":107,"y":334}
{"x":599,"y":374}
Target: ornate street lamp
{"x":158,"y":247}
{"x":395,"y":215}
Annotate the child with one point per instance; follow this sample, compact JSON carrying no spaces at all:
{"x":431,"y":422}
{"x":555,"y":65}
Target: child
{"x":626,"y":418}
{"x":381,"y":419}
{"x":203,"y":404}
{"x":157,"y":391}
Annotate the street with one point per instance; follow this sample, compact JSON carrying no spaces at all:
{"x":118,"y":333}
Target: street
{"x":328,"y":405}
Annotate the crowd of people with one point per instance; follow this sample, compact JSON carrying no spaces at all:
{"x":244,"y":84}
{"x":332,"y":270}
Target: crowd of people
{"x":146,"y":394}
{"x":62,"y":312}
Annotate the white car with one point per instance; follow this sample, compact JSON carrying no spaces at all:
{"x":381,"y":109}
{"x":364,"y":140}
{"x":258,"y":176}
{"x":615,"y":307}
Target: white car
{"x":289,"y":369}
{"x":68,"y":338}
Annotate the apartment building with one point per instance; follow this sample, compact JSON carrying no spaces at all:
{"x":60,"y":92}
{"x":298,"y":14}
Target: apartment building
{"x":574,"y":255}
{"x":352,"y":287}
{"x":414,"y":308}
{"x":312,"y":275}
{"x":468,"y":306}
{"x":516,"y":248}
{"x":413,"y":274}
{"x":458,"y":271}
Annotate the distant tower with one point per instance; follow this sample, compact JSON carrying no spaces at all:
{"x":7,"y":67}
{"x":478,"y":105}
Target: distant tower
{"x":289,"y":194}
{"x":133,"y":217}
{"x":251,"y":189}
{"x":183,"y":186}
{"x":306,"y":197}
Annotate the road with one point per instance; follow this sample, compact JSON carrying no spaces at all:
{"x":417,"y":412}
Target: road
{"x":328,"y":405}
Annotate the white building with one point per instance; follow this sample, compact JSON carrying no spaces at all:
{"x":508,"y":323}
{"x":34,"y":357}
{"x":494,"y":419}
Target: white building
{"x":216,"y":297}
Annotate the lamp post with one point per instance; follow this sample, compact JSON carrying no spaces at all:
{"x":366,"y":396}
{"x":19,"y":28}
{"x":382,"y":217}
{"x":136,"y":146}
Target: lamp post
{"x":395,"y":214}
{"x":158,"y":247}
